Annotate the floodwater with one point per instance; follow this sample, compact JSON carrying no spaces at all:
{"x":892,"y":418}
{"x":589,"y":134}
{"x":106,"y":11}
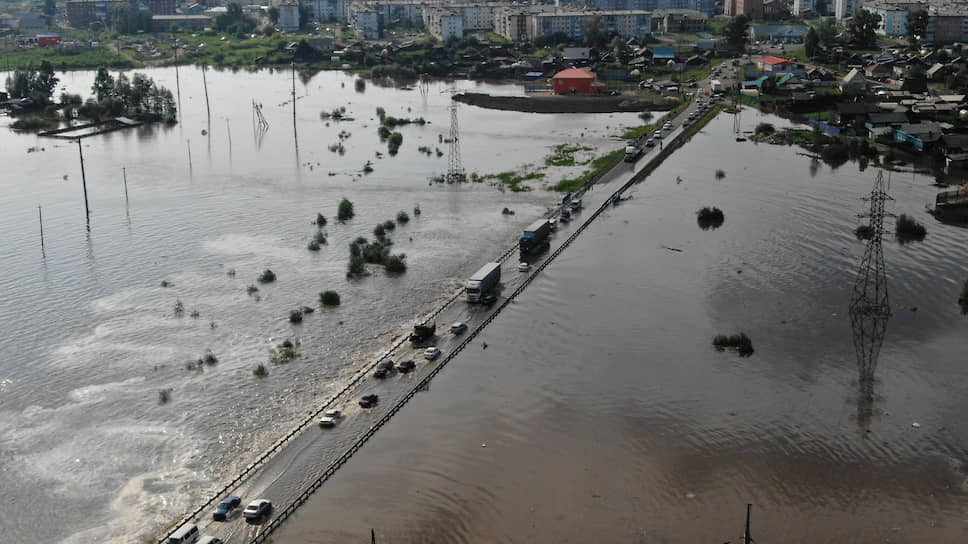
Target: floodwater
{"x":595,"y":409}
{"x":89,"y":336}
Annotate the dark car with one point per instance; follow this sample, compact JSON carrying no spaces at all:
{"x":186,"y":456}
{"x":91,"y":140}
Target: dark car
{"x":226,"y":507}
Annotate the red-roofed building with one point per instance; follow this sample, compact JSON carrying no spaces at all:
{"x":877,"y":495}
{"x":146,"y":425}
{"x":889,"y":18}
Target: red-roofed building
{"x":576,"y":81}
{"x":776,"y":65}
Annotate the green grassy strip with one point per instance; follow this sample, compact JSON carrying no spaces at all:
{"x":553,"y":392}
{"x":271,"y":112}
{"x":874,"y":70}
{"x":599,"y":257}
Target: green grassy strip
{"x":599,"y":165}
{"x":514,"y":181}
{"x":636,"y":132}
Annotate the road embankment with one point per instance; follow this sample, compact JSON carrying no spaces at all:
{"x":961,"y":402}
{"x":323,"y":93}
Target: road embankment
{"x":566,"y":104}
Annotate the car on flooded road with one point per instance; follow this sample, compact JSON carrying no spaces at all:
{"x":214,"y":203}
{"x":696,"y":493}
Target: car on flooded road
{"x":226,"y":507}
{"x":431,"y":353}
{"x":257,"y":508}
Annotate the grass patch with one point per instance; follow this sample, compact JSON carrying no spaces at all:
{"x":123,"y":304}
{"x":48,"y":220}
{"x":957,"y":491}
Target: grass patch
{"x":329,"y":298}
{"x":34,"y":124}
{"x":765,"y":129}
{"x":599,"y":165}
{"x":512,"y":180}
{"x":564,"y":155}
{"x":741,"y":342}
{"x":710,"y":218}
{"x":909,"y":229}
{"x":267,"y":276}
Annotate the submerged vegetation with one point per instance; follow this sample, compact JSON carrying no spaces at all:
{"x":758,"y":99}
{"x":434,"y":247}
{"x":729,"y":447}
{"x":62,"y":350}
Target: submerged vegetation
{"x":512,"y":180}
{"x":599,"y":165}
{"x":564,"y":155}
{"x":741,"y":342}
{"x":362,"y":251}
{"x":402,"y":217}
{"x":710,"y":218}
{"x":260,"y":371}
{"x":284,"y":352}
{"x":267,"y":276}
{"x":329,"y":298}
{"x":164,"y":396}
{"x":963,"y":300}
{"x":864,"y":232}
{"x":909,"y":229}
{"x":345,"y":210}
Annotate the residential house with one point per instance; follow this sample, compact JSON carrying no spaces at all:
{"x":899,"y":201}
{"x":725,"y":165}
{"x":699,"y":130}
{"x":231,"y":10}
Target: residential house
{"x":662,"y":55}
{"x":921,"y":135}
{"x":849,"y":113}
{"x":880,"y":119}
{"x":878,"y":71}
{"x":937,"y":72}
{"x":779,"y":33}
{"x":777,"y":66}
{"x":853,"y":83}
{"x":955,"y":147}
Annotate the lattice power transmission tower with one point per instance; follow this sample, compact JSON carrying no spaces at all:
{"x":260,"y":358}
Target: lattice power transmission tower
{"x":870,"y":306}
{"x":455,"y":170}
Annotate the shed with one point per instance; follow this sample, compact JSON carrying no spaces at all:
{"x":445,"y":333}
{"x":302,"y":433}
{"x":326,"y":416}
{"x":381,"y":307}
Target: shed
{"x":662,"y":54}
{"x":576,"y":81}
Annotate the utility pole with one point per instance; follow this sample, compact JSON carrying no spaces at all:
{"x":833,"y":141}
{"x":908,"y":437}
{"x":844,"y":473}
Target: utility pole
{"x":228,"y":129}
{"x":208,"y":110}
{"x":747,"y":538}
{"x":294,"y":134}
{"x":177,"y":79}
{"x":87,"y":209}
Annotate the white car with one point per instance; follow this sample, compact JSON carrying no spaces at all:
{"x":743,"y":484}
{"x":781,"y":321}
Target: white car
{"x":335,"y":414}
{"x":257,"y":508}
{"x":327,"y":422}
{"x":657,"y":135}
{"x":524,"y":267}
{"x":667,"y":126}
{"x":431,"y":353}
{"x":458,"y":328}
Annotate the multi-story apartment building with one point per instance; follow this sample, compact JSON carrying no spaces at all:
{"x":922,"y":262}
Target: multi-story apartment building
{"x":846,"y":8}
{"x":328,"y":10}
{"x":705,"y":6}
{"x":444,"y":22}
{"x":81,"y":13}
{"x":947,"y":23}
{"x":804,"y":7}
{"x":512,"y":23}
{"x":628,"y":24}
{"x":894,"y":14}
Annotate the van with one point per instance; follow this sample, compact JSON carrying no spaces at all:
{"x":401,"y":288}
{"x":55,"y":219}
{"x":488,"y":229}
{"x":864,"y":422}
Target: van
{"x":186,"y":534}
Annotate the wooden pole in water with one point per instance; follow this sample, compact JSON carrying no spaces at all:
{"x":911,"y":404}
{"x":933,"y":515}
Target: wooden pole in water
{"x":177,"y":79}
{"x":124,"y":175}
{"x":208,"y":110}
{"x":372,"y":536}
{"x":87,"y":209}
{"x":747,"y":538}
{"x":294,"y":135}
{"x":228,"y":129}
{"x":189,"y":144}
{"x":40,"y":216}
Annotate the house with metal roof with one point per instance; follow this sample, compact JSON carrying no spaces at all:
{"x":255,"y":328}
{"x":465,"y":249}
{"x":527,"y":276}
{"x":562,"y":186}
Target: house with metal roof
{"x":920,"y":135}
{"x":663,"y":54}
{"x":776,"y":65}
{"x":853,"y":83}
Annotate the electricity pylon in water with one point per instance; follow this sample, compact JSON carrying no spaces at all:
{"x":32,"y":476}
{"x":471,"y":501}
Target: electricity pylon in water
{"x":455,"y":170}
{"x":870,"y":306}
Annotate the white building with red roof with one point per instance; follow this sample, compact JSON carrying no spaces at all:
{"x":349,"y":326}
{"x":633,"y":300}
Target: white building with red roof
{"x":776,"y":65}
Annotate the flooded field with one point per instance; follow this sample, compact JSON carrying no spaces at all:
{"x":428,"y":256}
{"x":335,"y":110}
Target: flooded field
{"x":595,"y":409}
{"x":90,"y":336}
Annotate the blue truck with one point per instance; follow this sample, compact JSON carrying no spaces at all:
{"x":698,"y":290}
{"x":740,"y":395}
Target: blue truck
{"x":535,"y":237}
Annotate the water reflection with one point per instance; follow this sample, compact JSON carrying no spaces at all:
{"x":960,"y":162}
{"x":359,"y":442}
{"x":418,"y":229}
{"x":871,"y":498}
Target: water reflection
{"x":870,"y":306}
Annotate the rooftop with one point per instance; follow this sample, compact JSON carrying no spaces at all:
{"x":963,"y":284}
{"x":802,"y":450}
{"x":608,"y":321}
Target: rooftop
{"x":774,"y":61}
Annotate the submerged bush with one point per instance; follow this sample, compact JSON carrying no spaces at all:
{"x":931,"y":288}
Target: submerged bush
{"x":379,"y":231}
{"x":329,"y":298}
{"x":710,"y":218}
{"x":864,"y":232}
{"x":313,"y":245}
{"x":963,"y":300}
{"x":319,"y":238}
{"x":402,"y":217}
{"x":179,"y":308}
{"x":210,"y":358}
{"x":320,"y":220}
{"x":389,"y":225}
{"x":395,"y":264}
{"x":345,"y":210}
{"x":295,"y":316}
{"x":251,"y":290}
{"x":720,"y":174}
{"x":356,"y":265}
{"x":740,"y":341}
{"x":164,"y":396}
{"x":260,"y":371}
{"x":908,"y":228}
{"x":267,"y":276}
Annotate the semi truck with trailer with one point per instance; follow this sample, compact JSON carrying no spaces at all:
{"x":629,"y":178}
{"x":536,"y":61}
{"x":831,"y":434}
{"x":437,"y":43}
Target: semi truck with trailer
{"x":483,"y":281}
{"x":535,"y":237}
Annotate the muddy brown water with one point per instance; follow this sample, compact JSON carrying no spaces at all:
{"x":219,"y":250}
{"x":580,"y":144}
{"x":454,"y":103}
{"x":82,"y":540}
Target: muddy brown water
{"x":599,"y":411}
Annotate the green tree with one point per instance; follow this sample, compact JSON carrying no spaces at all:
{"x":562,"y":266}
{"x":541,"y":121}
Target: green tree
{"x":735,"y":31}
{"x":305,"y":16}
{"x":594,"y":36}
{"x":273,"y":13}
{"x":103,"y":84}
{"x":50,"y":7}
{"x":621,"y":50}
{"x":811,"y":43}
{"x":863,"y":28}
{"x":917,"y":25}
{"x":827,"y":32}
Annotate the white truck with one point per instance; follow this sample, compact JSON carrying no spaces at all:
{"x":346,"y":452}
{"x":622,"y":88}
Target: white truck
{"x":483,"y":281}
{"x":632,"y":153}
{"x":716,"y":86}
